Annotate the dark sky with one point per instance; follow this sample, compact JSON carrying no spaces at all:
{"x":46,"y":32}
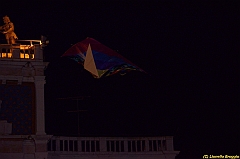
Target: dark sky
{"x":188,"y":49}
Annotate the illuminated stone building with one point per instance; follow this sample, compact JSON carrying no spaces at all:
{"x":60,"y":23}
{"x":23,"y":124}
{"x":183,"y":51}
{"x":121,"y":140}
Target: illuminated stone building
{"x":22,"y":125}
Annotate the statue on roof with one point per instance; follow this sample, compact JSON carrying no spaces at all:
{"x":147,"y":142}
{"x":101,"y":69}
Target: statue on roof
{"x":8,"y":30}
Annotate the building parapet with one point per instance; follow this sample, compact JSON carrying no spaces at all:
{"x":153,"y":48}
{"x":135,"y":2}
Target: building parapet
{"x":26,"y":49}
{"x":110,"y":144}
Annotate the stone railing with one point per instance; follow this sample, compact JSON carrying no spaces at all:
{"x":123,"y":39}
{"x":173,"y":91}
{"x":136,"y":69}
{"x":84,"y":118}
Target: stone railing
{"x":21,"y":51}
{"x":110,"y":144}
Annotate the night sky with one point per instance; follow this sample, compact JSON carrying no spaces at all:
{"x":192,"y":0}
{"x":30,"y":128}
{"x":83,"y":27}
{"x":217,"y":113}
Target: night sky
{"x":187,"y":48}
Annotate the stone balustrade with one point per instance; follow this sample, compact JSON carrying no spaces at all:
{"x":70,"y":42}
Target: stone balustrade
{"x":60,"y":147}
{"x":31,"y":51}
{"x":111,"y":144}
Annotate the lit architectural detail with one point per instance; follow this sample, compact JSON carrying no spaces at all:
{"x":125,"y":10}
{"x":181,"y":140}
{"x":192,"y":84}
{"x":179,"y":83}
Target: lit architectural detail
{"x":22,"y":51}
{"x":22,"y":121}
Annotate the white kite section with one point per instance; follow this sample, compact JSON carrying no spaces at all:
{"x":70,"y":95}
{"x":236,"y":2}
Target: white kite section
{"x":89,"y":63}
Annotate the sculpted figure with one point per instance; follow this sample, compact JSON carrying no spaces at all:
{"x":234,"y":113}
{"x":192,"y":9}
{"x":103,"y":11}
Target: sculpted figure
{"x":8,"y":30}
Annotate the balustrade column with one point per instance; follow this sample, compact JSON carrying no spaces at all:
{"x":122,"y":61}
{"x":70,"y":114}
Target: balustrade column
{"x":16,"y":51}
{"x":147,"y":145}
{"x":169,"y":143}
{"x":57,"y":144}
{"x":125,"y":145}
{"x":38,"y":52}
{"x":79,"y":145}
{"x":103,"y":144}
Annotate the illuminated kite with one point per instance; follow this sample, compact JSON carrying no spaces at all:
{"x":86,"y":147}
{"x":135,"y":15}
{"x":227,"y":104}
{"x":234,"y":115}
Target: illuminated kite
{"x":98,"y":59}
